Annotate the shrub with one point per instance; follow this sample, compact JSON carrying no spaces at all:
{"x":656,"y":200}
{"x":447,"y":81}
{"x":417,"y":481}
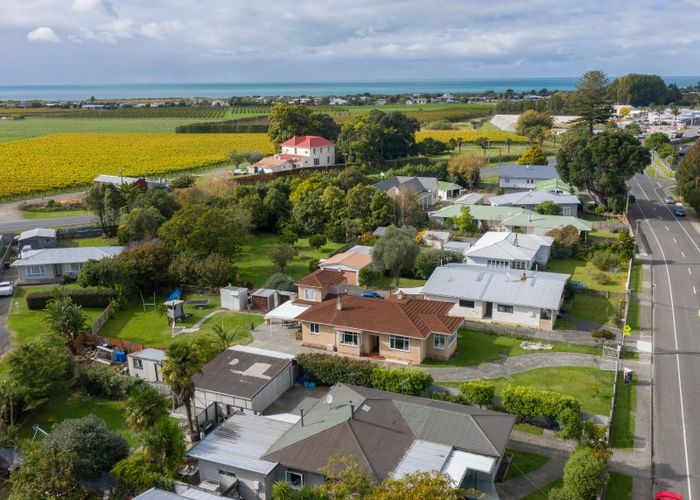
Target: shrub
{"x":102,"y":381}
{"x":605,"y":260}
{"x":428,"y":260}
{"x":599,"y":210}
{"x":182,"y":181}
{"x":585,"y":473}
{"x":84,"y":298}
{"x":313,"y":265}
{"x":603,"y":334}
{"x":280,"y":281}
{"x":317,"y":240}
{"x":527,"y":402}
{"x":368,"y":276}
{"x":328,"y":369}
{"x":411,"y":381}
{"x":478,"y":392}
{"x":603,"y":278}
{"x":449,"y":397}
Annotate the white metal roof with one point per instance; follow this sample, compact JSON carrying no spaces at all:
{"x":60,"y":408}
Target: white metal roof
{"x":150,"y":354}
{"x":461,"y":461}
{"x":240,"y":442}
{"x":157,"y":494}
{"x":508,"y":245}
{"x":422,"y":456}
{"x":42,"y":232}
{"x":469,"y":199}
{"x":70,"y":255}
{"x":261,"y":352}
{"x":528,"y":172}
{"x":287,"y":311}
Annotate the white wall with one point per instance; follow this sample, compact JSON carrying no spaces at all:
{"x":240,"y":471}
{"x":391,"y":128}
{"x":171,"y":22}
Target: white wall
{"x":517,"y":183}
{"x":273,"y":390}
{"x":150,"y":371}
{"x":324,"y":154}
{"x":520,"y":316}
{"x":210,"y":471}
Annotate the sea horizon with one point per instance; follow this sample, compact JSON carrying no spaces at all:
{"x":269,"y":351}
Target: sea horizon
{"x":293,"y":89}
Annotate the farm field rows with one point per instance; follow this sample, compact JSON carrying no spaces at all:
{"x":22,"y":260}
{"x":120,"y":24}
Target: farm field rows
{"x":70,"y":160}
{"x":470,"y":135}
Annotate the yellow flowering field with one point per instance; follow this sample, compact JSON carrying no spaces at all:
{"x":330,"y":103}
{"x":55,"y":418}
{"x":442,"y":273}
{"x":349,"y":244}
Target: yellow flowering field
{"x":469,"y":135}
{"x":72,"y":160}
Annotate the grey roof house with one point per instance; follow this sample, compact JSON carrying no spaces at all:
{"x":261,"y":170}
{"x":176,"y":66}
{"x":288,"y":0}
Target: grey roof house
{"x":509,"y":250}
{"x":36,"y":239}
{"x":50,"y":264}
{"x":495,"y":295}
{"x":524,"y":176}
{"x":529,"y":200}
{"x":426,"y":188}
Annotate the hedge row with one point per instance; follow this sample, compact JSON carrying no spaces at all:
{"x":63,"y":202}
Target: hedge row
{"x":328,"y":369}
{"x":226,"y":127}
{"x":526,"y":402}
{"x":82,"y":297}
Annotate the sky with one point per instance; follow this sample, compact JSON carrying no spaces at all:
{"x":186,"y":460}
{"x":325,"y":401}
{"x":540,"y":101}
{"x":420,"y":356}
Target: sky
{"x":165,"y":41}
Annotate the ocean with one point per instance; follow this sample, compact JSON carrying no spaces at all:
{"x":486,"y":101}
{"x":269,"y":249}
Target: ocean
{"x":223,"y":90}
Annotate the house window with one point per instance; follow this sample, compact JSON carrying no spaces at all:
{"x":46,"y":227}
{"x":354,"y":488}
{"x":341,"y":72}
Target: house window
{"x":519,"y":264}
{"x":227,"y":473}
{"x":441,"y":341}
{"x":317,"y":162}
{"x":36,"y":271}
{"x":138,"y":363}
{"x":72,"y":268}
{"x":349,"y":338}
{"x":505,"y":309}
{"x":309,"y":294}
{"x":295,"y":479}
{"x":466,"y":303}
{"x":314,"y":328}
{"x":400,"y":343}
{"x":328,"y":160}
{"x":503,"y":264}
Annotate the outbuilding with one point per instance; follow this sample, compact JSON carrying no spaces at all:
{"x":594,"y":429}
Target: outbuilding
{"x":147,"y":364}
{"x":37,"y":239}
{"x":234,"y":298}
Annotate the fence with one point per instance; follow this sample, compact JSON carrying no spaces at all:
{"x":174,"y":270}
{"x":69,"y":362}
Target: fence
{"x":5,"y":248}
{"x":84,"y":232}
{"x":90,"y":339}
{"x":607,"y":225}
{"x":100,"y":320}
{"x":601,"y":293}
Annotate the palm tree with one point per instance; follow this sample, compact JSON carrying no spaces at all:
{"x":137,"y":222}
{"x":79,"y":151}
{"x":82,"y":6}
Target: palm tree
{"x":64,"y":317}
{"x":224,"y":335}
{"x":145,"y":406}
{"x":164,"y":444}
{"x":182,"y":364}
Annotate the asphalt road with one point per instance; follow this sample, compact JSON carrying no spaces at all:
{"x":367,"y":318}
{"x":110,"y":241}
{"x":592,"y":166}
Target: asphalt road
{"x":674,"y":245}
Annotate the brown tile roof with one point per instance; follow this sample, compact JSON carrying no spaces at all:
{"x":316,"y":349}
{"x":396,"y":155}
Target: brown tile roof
{"x":322,"y":278}
{"x":415,"y":318}
{"x":354,"y":260}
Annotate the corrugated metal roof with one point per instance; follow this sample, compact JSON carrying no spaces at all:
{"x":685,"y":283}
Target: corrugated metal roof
{"x":151,"y":354}
{"x":241,"y":441}
{"x":503,"y":286}
{"x":528,"y":172}
{"x":71,"y":255}
{"x":504,"y":244}
{"x":423,"y":456}
{"x":534,"y":198}
{"x":156,"y":494}
{"x":532,"y":219}
{"x":43,"y":232}
{"x":461,"y":461}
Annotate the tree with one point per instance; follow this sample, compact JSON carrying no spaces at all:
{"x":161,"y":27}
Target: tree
{"x":638,"y":90}
{"x":105,"y":201}
{"x":591,"y":101}
{"x":280,"y":281}
{"x":345,"y":479}
{"x":421,"y":486}
{"x":350,"y":177}
{"x":534,"y":125}
{"x":466,"y":168}
{"x":380,"y":209}
{"x":688,"y":177}
{"x":585,"y":473}
{"x":63,"y":317}
{"x":317,"y":241}
{"x":548,"y":208}
{"x":148,"y":263}
{"x":359,"y":200}
{"x":288,"y":120}
{"x":478,"y":392}
{"x":182,"y":364}
{"x":164,"y":444}
{"x":281,"y":255}
{"x":430,"y":146}
{"x":139,"y":224}
{"x":215,"y":270}
{"x":377,"y":135}
{"x":396,"y":251}
{"x":224,"y":336}
{"x":95,"y":448}
{"x":407,"y":208}
{"x":534,"y":155}
{"x":565,"y":239}
{"x":656,"y":139}
{"x":464,"y":222}
{"x":136,"y":474}
{"x":145,"y":406}
{"x":276,"y":204}
{"x":428,"y":260}
{"x":109,"y":272}
{"x":45,"y":475}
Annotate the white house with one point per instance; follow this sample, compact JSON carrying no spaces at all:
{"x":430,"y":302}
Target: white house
{"x":147,"y":364}
{"x":494,"y":295}
{"x":271,"y":165}
{"x":529,"y":200}
{"x":51,"y":264}
{"x":509,"y":250}
{"x":524,"y":176}
{"x":448,"y":190}
{"x":309,"y":151}
{"x":425,"y":188}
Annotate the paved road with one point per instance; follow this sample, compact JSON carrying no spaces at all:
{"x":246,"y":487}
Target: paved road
{"x":674,"y":245}
{"x":11,"y":219}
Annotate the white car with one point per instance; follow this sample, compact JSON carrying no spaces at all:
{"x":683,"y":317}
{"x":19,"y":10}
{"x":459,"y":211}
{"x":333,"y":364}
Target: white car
{"x":6,"y":289}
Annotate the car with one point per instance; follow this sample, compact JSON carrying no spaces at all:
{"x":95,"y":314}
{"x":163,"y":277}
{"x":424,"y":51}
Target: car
{"x":679,"y":210}
{"x":669,"y":200}
{"x":6,"y":289}
{"x":578,"y":284}
{"x":371,"y":295}
{"x":631,"y":197}
{"x":668,"y":495}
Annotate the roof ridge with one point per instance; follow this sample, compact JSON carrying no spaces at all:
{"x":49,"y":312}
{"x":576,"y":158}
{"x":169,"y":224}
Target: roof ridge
{"x":476,"y":422}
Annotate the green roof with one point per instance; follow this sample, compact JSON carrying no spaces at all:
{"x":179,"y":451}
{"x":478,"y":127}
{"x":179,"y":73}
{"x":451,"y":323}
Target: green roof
{"x":445,"y":185}
{"x":555,"y":184}
{"x":514,"y":216}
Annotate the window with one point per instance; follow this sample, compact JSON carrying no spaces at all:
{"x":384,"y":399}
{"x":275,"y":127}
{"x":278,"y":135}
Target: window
{"x":519,"y":264}
{"x":73,"y":268}
{"x":466,"y":303}
{"x":314,"y":328}
{"x":295,"y":479}
{"x":505,"y":309}
{"x":503,"y":264}
{"x":328,"y":160}
{"x":227,"y":473}
{"x":349,"y":338}
{"x":441,"y":341}
{"x":36,"y":271}
{"x":317,"y":162}
{"x":399,"y":343}
{"x":138,"y":363}
{"x":309,"y":294}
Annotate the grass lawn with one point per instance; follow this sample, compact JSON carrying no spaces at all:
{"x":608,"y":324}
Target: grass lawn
{"x":475,"y":347}
{"x":633,"y":355}
{"x":651,"y":171}
{"x":633,"y":314}
{"x":596,"y":309}
{"x":563,"y":324}
{"x":592,"y":387}
{"x":76,"y":405}
{"x":619,"y":487}
{"x":636,"y":277}
{"x":625,"y":410}
{"x":31,"y":214}
{"x":523,"y":462}
{"x":583,"y":272}
{"x":255,"y":266}
{"x":386,"y":283}
{"x":529,"y":428}
{"x":90,"y":242}
{"x":600,"y":237}
{"x":151,"y":329}
{"x":541,"y":494}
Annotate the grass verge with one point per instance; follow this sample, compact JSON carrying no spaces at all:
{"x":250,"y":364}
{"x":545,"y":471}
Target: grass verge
{"x":619,"y":487}
{"x":39,"y":214}
{"x":625,"y":411}
{"x":90,"y":242}
{"x":596,"y":309}
{"x":541,"y":494}
{"x":529,"y":428}
{"x":523,"y":462}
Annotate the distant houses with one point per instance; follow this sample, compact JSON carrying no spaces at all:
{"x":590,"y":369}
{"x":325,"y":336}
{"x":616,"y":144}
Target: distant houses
{"x":531,"y":199}
{"x":141,"y":183}
{"x":37,"y":239}
{"x":508,"y":250}
{"x":425,"y":188}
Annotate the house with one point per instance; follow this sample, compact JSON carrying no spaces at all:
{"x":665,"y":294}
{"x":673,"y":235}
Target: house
{"x":407,"y":330}
{"x":509,"y":250}
{"x":496,"y":295}
{"x":436,"y":239}
{"x":425,"y":188}
{"x":317,"y":286}
{"x":245,"y":379}
{"x":388,"y":434}
{"x":471,"y":199}
{"x":271,"y":165}
{"x":531,"y":199}
{"x":557,"y":186}
{"x":147,"y":364}
{"x":51,"y":264}
{"x":448,"y":190}
{"x":266,"y":299}
{"x":350,"y":262}
{"x":309,"y":151}
{"x":524,"y":176}
{"x":182,"y":492}
{"x":36,"y":239}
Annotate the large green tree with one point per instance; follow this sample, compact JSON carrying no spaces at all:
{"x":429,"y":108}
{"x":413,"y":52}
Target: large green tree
{"x":139,"y":224}
{"x":45,"y":475}
{"x":288,"y":120}
{"x":534,"y":125}
{"x":396,"y":251}
{"x":591,"y":100}
{"x":164,"y":444}
{"x":182,"y":364}
{"x":145,"y":406}
{"x":638,"y":90}
{"x":688,"y":177}
{"x":377,"y":135}
{"x":65,"y":318}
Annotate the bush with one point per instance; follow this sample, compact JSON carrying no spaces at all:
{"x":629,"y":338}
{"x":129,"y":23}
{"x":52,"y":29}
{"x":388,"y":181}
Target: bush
{"x":605,"y":260}
{"x":84,"y":298}
{"x":449,"y":397}
{"x":527,"y":402}
{"x":599,"y":210}
{"x":411,"y":381}
{"x":367,"y":276}
{"x":102,"y":381}
{"x":428,"y":260}
{"x":478,"y":392}
{"x":317,"y":240}
{"x":603,"y":278}
{"x":281,"y":281}
{"x":585,"y":473}
{"x":182,"y":181}
{"x":328,"y":369}
{"x":603,"y":334}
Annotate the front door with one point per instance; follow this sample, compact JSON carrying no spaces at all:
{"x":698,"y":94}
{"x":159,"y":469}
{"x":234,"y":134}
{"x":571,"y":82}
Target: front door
{"x":489,"y":310}
{"x":374,"y":343}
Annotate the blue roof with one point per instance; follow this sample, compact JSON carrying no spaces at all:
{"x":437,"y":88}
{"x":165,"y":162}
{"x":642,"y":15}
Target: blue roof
{"x":528,"y":172}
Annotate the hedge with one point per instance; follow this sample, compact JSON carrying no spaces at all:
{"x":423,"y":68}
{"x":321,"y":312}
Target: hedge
{"x":82,"y":297}
{"x":225,"y":127}
{"x":411,"y":381}
{"x":526,"y":402}
{"x":103,"y":381}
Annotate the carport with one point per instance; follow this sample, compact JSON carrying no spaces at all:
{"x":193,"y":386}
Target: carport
{"x":285,"y":313}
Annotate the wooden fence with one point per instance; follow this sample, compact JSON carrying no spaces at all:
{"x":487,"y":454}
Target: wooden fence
{"x":601,"y":293}
{"x":89,"y":339}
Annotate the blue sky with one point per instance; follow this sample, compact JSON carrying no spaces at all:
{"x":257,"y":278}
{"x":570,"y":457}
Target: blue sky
{"x":123,"y":41}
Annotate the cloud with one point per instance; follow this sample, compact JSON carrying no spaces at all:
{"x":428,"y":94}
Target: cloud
{"x":43,"y":34}
{"x":102,"y":6}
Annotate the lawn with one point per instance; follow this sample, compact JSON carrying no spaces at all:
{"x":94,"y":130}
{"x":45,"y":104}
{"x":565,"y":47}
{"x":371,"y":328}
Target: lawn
{"x":583,"y":272}
{"x":475,"y":347}
{"x":563,"y":324}
{"x":255,"y":266}
{"x":32,"y":214}
{"x":386,"y":283}
{"x":90,"y":242}
{"x":651,"y":171}
{"x":633,"y":314}
{"x":596,"y":309}
{"x":529,"y":428}
{"x":151,"y":329}
{"x":76,"y":405}
{"x":636,"y":278}
{"x":523,"y":462}
{"x":592,"y":387}
{"x":625,"y":410}
{"x":619,"y":487}
{"x":541,"y":494}
{"x":601,"y":237}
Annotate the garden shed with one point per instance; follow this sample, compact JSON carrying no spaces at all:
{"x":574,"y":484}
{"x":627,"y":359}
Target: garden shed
{"x":234,"y":298}
{"x":266,"y":299}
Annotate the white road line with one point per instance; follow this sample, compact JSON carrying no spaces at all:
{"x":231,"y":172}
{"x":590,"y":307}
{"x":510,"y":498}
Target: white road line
{"x":689,"y":271}
{"x":683,"y":254}
{"x":678,"y":360}
{"x":667,"y":229}
{"x":675,"y":218}
{"x":658,"y":184}
{"x":695,"y":291}
{"x":674,"y":240}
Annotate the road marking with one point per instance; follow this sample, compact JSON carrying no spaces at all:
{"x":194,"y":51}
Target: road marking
{"x":674,"y":240}
{"x":678,"y":360}
{"x":658,"y":184}
{"x":683,"y":254}
{"x":689,"y":271}
{"x":695,"y":291}
{"x":675,"y":218}
{"x":667,"y":229}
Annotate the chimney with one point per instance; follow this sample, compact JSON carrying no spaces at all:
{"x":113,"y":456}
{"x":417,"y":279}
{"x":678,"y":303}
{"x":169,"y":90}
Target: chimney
{"x":352,"y":409}
{"x":301,"y":412}
{"x":400,"y":295}
{"x":523,"y":277}
{"x":339,"y":302}
{"x":515,"y":242}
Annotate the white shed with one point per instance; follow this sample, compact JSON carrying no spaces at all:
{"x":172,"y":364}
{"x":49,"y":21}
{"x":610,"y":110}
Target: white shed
{"x":147,"y":364}
{"x":234,"y":298}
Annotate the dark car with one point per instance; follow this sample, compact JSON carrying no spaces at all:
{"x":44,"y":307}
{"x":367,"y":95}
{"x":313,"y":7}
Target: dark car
{"x":679,"y":210}
{"x":371,"y":295}
{"x":631,"y":197}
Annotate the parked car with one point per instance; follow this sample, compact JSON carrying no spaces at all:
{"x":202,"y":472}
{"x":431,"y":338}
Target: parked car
{"x":679,"y":210}
{"x":668,"y":495}
{"x":631,"y":197}
{"x":669,"y":200}
{"x":371,"y":295}
{"x":6,"y":289}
